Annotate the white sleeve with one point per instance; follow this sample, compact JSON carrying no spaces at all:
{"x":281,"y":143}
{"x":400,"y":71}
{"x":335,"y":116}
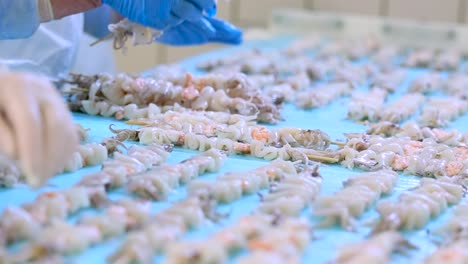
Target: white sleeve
{"x":51,"y":50}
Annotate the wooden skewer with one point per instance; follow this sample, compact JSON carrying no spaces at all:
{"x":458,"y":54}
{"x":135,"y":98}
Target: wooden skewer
{"x":322,"y":159}
{"x":137,"y":123}
{"x":339,"y":144}
{"x":109,"y":36}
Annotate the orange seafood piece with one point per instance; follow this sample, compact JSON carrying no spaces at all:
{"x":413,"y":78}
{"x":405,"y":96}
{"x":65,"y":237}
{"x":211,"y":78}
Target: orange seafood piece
{"x":47,"y":195}
{"x":461,"y":153}
{"x":260,"y":133}
{"x":260,"y":245}
{"x":453,"y":167}
{"x":412,"y":148}
{"x":399,"y":163}
{"x":242,"y":147}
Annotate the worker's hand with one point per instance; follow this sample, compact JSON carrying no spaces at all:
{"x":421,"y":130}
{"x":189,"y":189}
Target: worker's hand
{"x":202,"y":31}
{"x":36,"y":127}
{"x":162,"y":14}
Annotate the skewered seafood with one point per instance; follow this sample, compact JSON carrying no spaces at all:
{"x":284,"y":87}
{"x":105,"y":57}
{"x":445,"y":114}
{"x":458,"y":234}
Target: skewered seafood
{"x":447,"y":60}
{"x":323,"y":95}
{"x":413,"y":131}
{"x":402,"y":108}
{"x":439,"y":112}
{"x":25,"y":222}
{"x":457,"y":85}
{"x":258,"y":233}
{"x":420,"y":58}
{"x":388,"y":80}
{"x":295,"y":232}
{"x":427,"y":83}
{"x":87,"y":155}
{"x":115,"y":173}
{"x":157,"y":183}
{"x":91,"y":229}
{"x":292,"y":193}
{"x":416,"y":207}
{"x":232,"y":186}
{"x":455,"y":253}
{"x":140,"y":35}
{"x":385,"y":56}
{"x":366,"y":106}
{"x":377,"y":249}
{"x":357,"y":196}
{"x":164,"y":227}
{"x":456,"y":228}
{"x":255,"y":148}
{"x":241,"y":131}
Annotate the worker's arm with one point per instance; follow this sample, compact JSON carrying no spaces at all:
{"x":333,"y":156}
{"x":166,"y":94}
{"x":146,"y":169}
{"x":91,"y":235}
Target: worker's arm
{"x":21,"y":18}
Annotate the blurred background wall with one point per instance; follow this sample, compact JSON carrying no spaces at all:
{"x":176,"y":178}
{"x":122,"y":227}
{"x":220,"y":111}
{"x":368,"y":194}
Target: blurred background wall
{"x":256,"y":13}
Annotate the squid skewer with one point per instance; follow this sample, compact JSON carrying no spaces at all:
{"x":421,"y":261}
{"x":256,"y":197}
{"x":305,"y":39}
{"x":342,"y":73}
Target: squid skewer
{"x":247,"y":132}
{"x":157,"y":183}
{"x":256,"y":233}
{"x":416,"y":207}
{"x":322,"y":95}
{"x":402,"y":108}
{"x":26,"y":221}
{"x":357,"y":196}
{"x":439,"y":112}
{"x":162,"y":228}
{"x":292,"y":193}
{"x":269,"y":247}
{"x":388,"y":80}
{"x":457,"y":85}
{"x":256,"y":148}
{"x":456,"y":228}
{"x":427,"y":83}
{"x":420,"y":58}
{"x":366,"y":106}
{"x":116,"y":173}
{"x":447,"y":60}
{"x":232,"y":186}
{"x":125,"y":28}
{"x":118,"y":218}
{"x":377,"y":249}
{"x":413,"y":131}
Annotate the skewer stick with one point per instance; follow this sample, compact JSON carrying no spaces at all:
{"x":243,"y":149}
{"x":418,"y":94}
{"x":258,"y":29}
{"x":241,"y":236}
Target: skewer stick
{"x":339,"y":144}
{"x":322,"y":159}
{"x":138,"y":122}
{"x":109,"y":36}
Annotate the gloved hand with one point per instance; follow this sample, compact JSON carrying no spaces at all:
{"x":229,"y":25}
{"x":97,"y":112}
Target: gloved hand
{"x":162,"y":14}
{"x":204,"y":30}
{"x":36,"y":127}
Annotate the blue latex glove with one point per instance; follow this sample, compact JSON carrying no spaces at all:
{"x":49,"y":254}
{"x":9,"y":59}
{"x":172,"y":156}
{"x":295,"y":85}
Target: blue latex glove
{"x":162,"y":14}
{"x":202,"y":31}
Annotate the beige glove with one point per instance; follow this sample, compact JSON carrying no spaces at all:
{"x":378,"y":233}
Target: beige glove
{"x":36,"y":128}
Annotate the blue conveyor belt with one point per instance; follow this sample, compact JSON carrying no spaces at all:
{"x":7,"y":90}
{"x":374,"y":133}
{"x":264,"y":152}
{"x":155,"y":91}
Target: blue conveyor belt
{"x":331,"y":119}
